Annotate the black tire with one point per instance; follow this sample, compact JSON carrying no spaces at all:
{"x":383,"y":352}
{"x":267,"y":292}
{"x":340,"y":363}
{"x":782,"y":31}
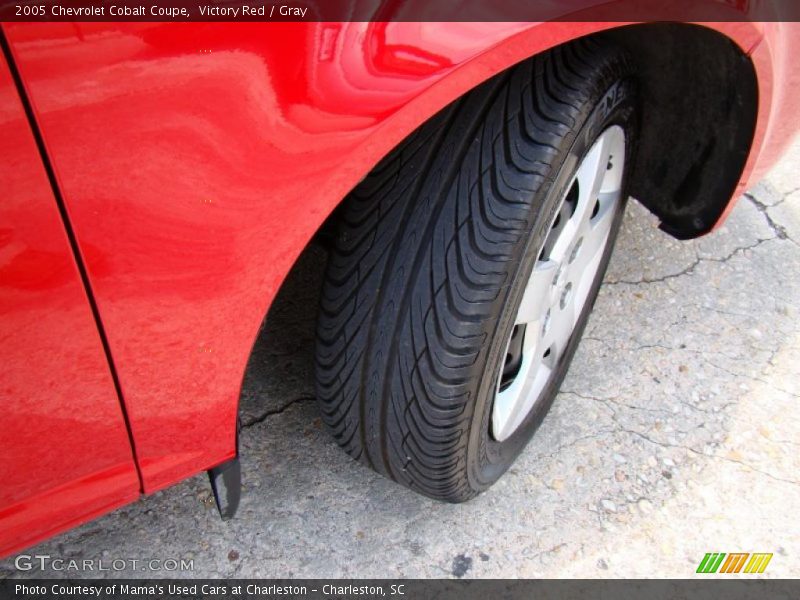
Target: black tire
{"x":431,"y":254}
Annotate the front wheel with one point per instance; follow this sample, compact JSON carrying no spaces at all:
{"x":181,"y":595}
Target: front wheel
{"x":465,"y":267}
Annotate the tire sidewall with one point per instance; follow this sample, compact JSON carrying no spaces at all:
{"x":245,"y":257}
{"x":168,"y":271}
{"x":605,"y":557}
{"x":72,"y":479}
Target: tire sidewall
{"x":488,"y":459}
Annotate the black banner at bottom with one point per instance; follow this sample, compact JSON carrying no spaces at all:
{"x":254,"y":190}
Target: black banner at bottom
{"x":313,"y":589}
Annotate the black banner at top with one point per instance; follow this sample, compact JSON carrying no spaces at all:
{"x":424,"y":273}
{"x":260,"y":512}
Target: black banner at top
{"x":399,"y":10}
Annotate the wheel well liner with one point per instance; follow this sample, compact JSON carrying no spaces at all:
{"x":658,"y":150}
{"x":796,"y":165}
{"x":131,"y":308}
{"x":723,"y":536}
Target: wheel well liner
{"x":699,"y":97}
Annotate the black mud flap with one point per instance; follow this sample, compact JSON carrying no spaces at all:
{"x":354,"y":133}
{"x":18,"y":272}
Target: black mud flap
{"x":226,"y":482}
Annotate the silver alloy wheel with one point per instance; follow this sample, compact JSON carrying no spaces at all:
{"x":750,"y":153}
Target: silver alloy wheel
{"x":560,"y":282}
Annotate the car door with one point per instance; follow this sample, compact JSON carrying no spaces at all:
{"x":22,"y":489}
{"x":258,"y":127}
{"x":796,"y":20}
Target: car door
{"x":65,"y":455}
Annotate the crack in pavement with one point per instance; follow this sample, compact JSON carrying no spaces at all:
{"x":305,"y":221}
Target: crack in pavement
{"x":704,"y":356}
{"x":271,"y":413}
{"x":577,"y":440}
{"x":700,"y":453}
{"x":777,"y":228}
{"x":688,"y":270}
{"x":663,"y":444}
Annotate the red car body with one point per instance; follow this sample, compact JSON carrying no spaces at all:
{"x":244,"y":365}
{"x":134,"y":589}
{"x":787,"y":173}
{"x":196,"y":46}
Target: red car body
{"x":185,"y":168}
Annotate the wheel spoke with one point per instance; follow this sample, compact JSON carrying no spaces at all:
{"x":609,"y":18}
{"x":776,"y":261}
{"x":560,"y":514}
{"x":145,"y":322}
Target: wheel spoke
{"x":513,"y":405}
{"x":560,"y":330}
{"x":590,"y":179}
{"x":563,"y":242}
{"x":537,"y":292}
{"x":595,"y":234}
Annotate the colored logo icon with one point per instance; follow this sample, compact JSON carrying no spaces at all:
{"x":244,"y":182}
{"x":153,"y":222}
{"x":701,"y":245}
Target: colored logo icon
{"x":719,"y":562}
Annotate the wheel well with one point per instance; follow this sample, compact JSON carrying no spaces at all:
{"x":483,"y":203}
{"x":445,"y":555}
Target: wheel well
{"x":699,"y":104}
{"x":699,"y":101}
